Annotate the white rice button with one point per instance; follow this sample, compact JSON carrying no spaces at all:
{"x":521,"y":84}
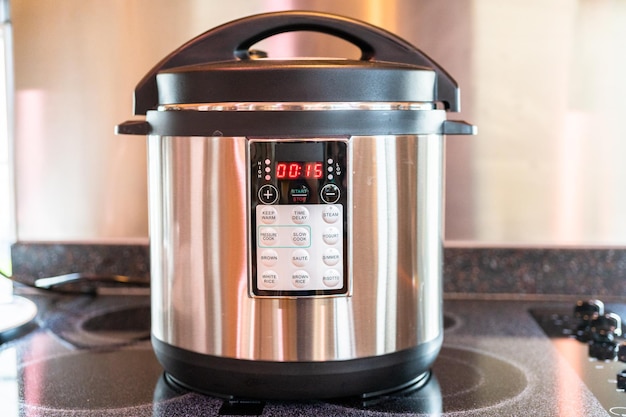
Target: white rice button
{"x":269,"y":279}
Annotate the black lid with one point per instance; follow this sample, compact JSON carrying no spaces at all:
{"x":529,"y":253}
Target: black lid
{"x":217,"y":66}
{"x":326,"y":80}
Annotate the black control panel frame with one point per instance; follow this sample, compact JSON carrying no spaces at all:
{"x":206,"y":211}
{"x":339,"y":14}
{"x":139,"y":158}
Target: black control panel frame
{"x":302,"y":186}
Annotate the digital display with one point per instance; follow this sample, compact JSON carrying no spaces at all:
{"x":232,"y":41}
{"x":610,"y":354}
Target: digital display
{"x":299,"y":170}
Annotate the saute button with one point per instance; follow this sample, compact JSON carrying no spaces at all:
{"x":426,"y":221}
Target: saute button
{"x":330,"y":214}
{"x":300,"y":279}
{"x":300,"y":257}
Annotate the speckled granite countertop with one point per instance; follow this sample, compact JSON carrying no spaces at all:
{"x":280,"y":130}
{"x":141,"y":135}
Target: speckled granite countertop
{"x":467,"y":270}
{"x":83,"y":360}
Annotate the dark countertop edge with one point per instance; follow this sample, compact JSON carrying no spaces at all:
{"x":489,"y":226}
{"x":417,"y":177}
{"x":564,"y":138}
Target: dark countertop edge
{"x":469,"y":272}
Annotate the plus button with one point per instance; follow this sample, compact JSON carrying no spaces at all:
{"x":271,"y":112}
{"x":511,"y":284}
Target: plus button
{"x":268,"y":194}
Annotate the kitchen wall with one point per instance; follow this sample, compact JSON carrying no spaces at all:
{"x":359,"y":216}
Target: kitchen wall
{"x":542,"y":80}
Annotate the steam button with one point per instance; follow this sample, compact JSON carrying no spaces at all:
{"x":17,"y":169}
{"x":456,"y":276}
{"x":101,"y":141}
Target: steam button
{"x":330,"y":214}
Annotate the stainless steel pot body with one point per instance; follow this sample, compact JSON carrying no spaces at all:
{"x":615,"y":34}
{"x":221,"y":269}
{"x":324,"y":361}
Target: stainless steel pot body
{"x":296,"y":211}
{"x":201,"y":249}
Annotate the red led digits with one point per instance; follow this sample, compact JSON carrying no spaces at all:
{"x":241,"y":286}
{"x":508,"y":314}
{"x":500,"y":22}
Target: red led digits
{"x":299,"y":170}
{"x":294,"y":171}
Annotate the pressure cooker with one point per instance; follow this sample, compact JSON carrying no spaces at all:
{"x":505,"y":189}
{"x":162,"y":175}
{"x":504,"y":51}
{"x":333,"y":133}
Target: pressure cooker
{"x":295,"y":211}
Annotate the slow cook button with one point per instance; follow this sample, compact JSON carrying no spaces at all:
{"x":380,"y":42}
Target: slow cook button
{"x":269,"y":279}
{"x":331,"y":278}
{"x":331,"y":256}
{"x":330,"y":214}
{"x":300,"y":257}
{"x":269,"y":257}
{"x":300,"y":236}
{"x":268,"y":236}
{"x":300,"y":279}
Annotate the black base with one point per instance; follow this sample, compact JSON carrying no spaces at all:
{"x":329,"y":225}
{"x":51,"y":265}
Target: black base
{"x":237,"y":378}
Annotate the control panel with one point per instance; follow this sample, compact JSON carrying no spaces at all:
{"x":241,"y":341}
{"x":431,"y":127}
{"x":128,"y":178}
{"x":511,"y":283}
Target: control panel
{"x":298,"y":219}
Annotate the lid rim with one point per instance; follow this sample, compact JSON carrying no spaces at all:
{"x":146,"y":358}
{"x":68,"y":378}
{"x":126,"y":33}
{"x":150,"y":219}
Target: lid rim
{"x":298,"y":85}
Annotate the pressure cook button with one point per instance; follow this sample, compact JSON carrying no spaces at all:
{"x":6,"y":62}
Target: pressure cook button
{"x":268,"y":194}
{"x":330,"y":214}
{"x":268,"y":214}
{"x":300,"y":279}
{"x":330,"y":193}
{"x":331,"y":278}
{"x":268,"y":236}
{"x":299,"y":215}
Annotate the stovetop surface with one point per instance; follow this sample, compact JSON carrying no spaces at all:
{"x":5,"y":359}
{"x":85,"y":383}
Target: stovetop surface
{"x":92,"y":356}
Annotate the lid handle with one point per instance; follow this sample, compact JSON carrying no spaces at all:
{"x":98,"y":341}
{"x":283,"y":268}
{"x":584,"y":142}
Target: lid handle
{"x":232,"y":41}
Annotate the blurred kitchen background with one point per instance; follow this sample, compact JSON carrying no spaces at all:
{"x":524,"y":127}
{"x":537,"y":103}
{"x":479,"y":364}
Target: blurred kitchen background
{"x":542,"y":80}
